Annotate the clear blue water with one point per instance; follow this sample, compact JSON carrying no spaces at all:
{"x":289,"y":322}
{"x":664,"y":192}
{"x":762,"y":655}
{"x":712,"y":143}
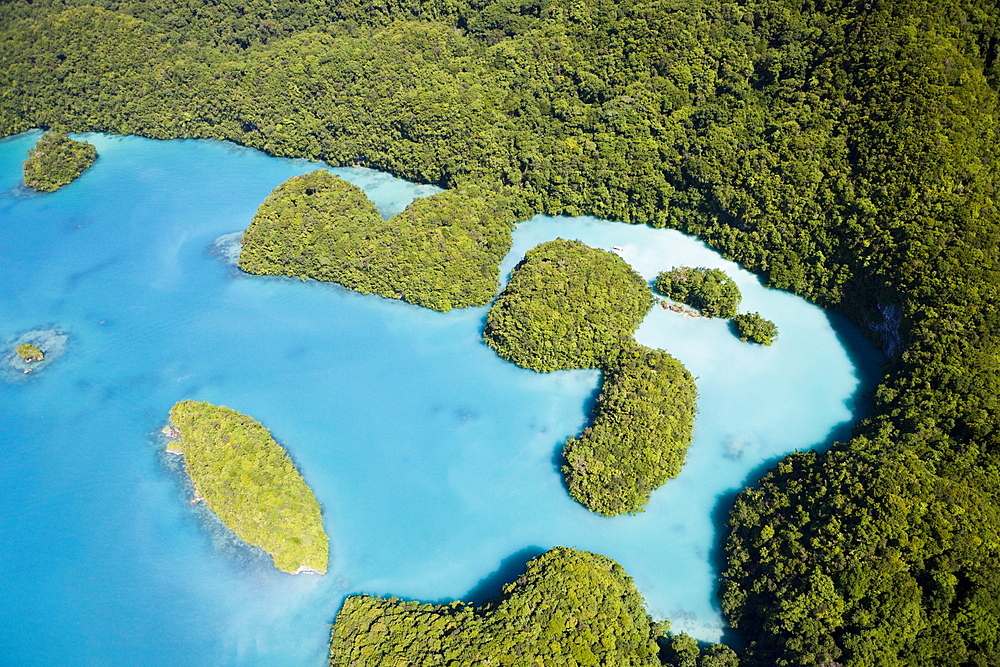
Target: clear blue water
{"x":434,"y":460}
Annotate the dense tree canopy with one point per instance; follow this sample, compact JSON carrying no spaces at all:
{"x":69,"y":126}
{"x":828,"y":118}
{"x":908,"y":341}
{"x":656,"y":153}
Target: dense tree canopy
{"x":571,"y":608}
{"x":752,"y":327}
{"x":57,"y":160}
{"x":844,"y":150}
{"x":442,"y":252}
{"x":639,"y":435}
{"x":567,"y":305}
{"x":711,"y":291}
{"x":249,"y":481}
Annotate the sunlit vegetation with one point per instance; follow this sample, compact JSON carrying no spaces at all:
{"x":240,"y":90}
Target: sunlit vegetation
{"x":29,"y":352}
{"x":844,"y":151}
{"x":249,"y":481}
{"x":442,"y":252}
{"x":567,"y":305}
{"x":639,"y":435}
{"x":752,"y":327}
{"x":569,"y":608}
{"x":711,"y":291}
{"x":56,"y":160}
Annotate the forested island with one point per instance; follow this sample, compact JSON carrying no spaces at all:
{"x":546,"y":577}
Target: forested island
{"x":568,"y":305}
{"x":571,"y":608}
{"x":711,"y":291}
{"x":29,"y":352}
{"x":249,"y":481}
{"x":844,"y":151}
{"x":442,"y":252}
{"x":56,"y":160}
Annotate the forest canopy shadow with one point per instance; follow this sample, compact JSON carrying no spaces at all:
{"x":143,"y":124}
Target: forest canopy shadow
{"x":510,"y":568}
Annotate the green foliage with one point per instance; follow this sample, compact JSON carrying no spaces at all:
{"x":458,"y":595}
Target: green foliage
{"x":570,"y":608}
{"x":249,"y":481}
{"x":639,"y":436}
{"x":29,"y":352}
{"x":442,"y":252}
{"x":846,"y":151}
{"x":567,"y":305}
{"x":901,"y":574}
{"x":753,"y":327}
{"x":709,"y":290}
{"x":56,"y":160}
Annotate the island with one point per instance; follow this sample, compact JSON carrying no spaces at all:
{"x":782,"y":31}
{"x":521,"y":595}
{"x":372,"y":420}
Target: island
{"x":57,"y":160}
{"x":568,"y":305}
{"x":251,"y":484}
{"x":752,"y":327}
{"x":711,"y":291}
{"x":442,"y":252}
{"x":638,"y":438}
{"x":29,"y":352}
{"x":577,"y":605}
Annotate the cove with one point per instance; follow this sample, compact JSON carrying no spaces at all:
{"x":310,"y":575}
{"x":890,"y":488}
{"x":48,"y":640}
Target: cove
{"x":436,"y":462}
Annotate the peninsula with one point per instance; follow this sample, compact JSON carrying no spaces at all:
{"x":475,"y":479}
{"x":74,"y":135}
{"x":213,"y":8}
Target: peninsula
{"x":250,"y":482}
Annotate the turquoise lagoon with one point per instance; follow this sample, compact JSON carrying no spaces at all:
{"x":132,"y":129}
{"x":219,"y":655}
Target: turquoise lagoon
{"x":435,"y":461}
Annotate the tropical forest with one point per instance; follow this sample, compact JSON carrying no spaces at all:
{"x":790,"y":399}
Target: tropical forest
{"x":842,"y":150}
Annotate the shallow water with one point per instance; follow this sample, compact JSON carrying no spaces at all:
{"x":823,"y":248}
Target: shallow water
{"x":435,"y":461}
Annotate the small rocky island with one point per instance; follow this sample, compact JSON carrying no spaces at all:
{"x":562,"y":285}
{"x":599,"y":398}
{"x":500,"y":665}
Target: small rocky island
{"x":752,"y":327}
{"x":251,"y":484}
{"x":711,"y":291}
{"x":29,"y":352}
{"x":57,"y":160}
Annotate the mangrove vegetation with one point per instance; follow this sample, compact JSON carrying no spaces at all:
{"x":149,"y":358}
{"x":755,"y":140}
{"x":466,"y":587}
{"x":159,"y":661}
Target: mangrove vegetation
{"x":251,"y":484}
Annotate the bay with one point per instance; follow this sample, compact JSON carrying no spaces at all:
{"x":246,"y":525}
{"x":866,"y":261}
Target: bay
{"x":436,"y":462}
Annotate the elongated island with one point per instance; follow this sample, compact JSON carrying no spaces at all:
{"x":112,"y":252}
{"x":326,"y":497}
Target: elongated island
{"x":250,"y":482}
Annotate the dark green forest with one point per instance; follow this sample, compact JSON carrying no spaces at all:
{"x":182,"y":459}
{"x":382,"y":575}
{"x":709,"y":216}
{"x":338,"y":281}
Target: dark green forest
{"x":56,"y":160}
{"x":845,"y":150}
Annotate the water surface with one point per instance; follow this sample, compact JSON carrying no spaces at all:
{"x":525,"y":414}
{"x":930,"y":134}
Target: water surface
{"x":435,"y":461}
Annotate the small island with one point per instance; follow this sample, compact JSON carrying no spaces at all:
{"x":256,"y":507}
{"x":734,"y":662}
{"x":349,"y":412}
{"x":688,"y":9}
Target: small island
{"x":711,"y":291}
{"x":568,"y":305}
{"x":57,"y":160}
{"x":29,"y":352}
{"x":751,"y":327}
{"x":250,"y":482}
{"x":442,"y":252}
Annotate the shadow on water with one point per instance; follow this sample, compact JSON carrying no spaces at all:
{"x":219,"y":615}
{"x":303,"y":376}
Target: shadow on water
{"x":512,"y":567}
{"x":868,"y":363}
{"x":558,"y":459}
